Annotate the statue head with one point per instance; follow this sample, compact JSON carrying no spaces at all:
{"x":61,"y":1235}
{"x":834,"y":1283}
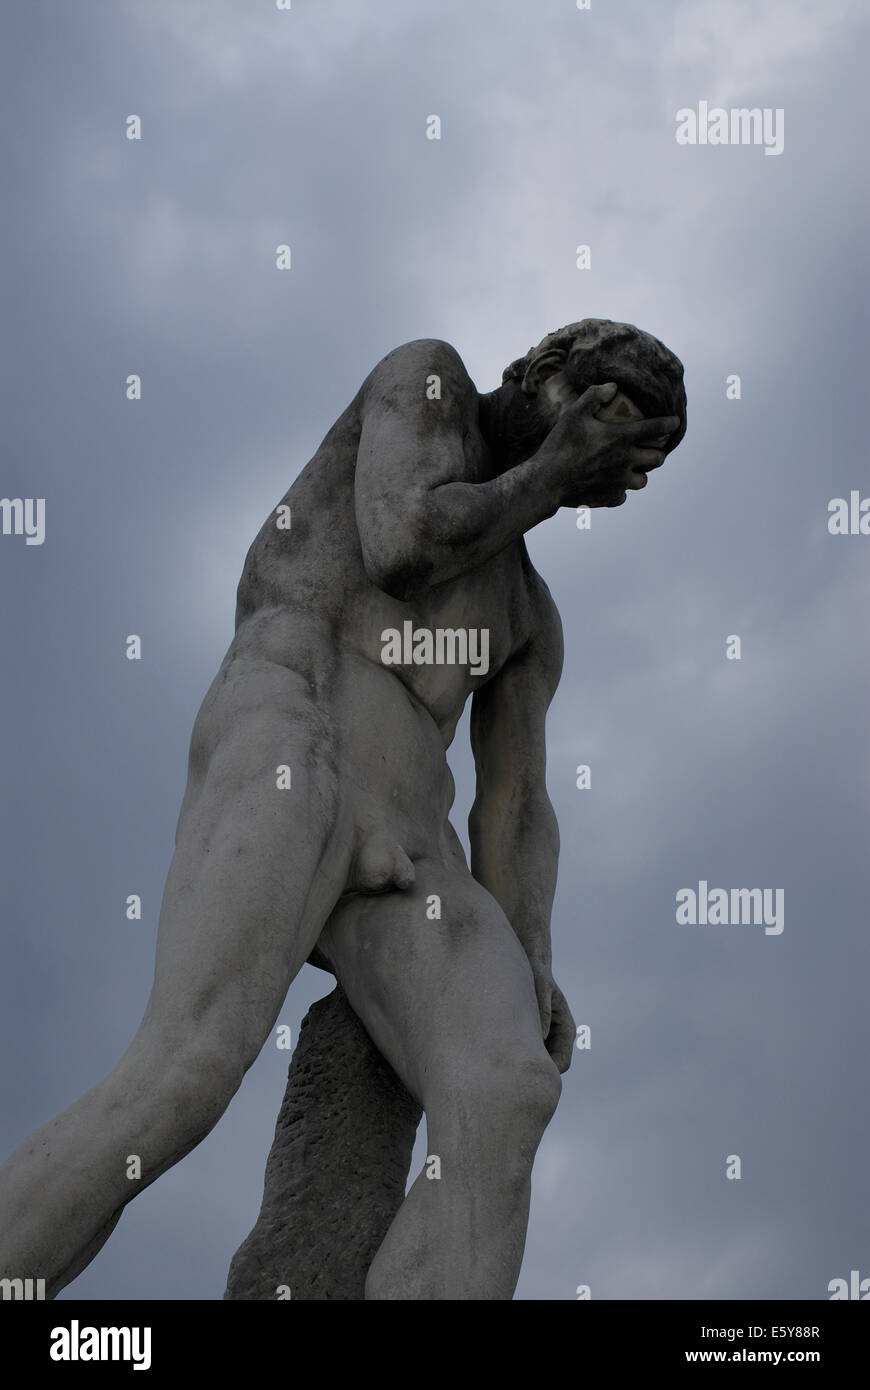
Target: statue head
{"x":589,"y":353}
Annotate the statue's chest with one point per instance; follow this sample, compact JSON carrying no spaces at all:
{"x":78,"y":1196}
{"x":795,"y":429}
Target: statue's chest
{"x":457,"y":636}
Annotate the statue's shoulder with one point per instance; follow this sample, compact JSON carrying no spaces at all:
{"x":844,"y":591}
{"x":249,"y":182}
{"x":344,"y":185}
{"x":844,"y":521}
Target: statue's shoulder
{"x":403,"y":369}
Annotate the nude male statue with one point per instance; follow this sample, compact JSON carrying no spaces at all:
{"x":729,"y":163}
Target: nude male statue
{"x":412,"y":508}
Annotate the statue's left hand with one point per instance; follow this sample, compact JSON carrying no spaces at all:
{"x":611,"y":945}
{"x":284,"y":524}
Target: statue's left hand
{"x":557,"y":1023}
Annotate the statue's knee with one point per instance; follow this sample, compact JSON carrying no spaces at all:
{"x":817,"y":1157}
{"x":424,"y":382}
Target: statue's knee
{"x":199,"y":1081}
{"x":515,"y":1096}
{"x":536,"y":1088}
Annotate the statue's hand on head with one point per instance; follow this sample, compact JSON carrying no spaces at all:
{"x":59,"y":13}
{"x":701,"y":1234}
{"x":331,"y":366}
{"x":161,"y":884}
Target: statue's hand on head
{"x":594,"y":460}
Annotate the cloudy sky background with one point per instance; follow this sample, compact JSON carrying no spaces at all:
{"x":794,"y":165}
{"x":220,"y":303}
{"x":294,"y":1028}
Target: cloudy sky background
{"x":308,"y":127}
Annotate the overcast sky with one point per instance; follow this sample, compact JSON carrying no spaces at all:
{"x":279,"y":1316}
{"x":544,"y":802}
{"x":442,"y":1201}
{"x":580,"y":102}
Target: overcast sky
{"x":308,"y":127}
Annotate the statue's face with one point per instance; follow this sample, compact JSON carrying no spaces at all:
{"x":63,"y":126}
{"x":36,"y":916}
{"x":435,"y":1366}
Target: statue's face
{"x":556,"y":394}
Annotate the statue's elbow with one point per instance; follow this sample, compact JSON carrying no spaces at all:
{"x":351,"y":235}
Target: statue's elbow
{"x":400,"y":577}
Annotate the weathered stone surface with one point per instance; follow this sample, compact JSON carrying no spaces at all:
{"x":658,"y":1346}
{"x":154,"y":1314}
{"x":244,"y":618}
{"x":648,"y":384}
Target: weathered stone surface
{"x":336,"y":1173}
{"x":410,"y":516}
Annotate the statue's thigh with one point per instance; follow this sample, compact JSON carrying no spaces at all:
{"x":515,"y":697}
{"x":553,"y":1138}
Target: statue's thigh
{"x":260,"y":861}
{"x":438,"y":978}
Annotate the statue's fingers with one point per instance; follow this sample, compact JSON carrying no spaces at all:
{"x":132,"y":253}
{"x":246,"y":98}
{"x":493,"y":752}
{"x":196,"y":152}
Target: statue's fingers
{"x":544,"y":1008}
{"x":647,"y":458}
{"x":560,"y":1041}
{"x":653,"y":428}
{"x":594,"y":396}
